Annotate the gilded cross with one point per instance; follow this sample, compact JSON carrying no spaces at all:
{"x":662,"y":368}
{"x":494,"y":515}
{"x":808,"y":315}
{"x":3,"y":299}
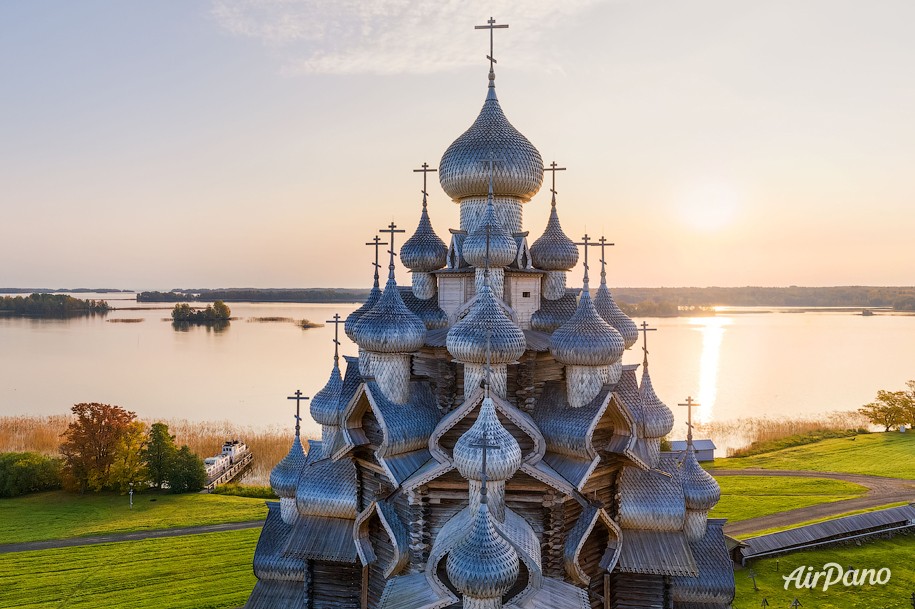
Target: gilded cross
{"x":491,"y":26}
{"x":425,"y":171}
{"x":690,"y":403}
{"x":553,"y":168}
{"x":485,"y":444}
{"x":336,"y":321}
{"x":298,"y":397}
{"x":645,"y":330}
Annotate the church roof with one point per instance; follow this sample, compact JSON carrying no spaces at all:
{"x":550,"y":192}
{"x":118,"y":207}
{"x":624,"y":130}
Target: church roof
{"x":553,"y":250}
{"x":424,"y":251}
{"x":390,"y":327}
{"x":285,"y":475}
{"x":586,"y":339}
{"x":486,"y":327}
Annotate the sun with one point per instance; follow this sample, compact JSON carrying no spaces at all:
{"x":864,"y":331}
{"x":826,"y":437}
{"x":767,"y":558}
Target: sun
{"x":709,"y":206}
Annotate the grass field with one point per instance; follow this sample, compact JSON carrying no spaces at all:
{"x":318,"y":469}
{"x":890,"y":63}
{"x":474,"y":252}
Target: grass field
{"x":895,"y":554}
{"x":878,"y":454}
{"x":745,"y":497}
{"x":58,"y":515}
{"x":211,"y":571}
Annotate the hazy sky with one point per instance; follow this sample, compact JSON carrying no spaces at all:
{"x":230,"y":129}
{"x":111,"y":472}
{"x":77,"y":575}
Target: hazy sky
{"x":261,"y":142}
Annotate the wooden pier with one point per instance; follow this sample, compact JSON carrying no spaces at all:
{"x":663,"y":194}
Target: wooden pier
{"x":230,"y":474}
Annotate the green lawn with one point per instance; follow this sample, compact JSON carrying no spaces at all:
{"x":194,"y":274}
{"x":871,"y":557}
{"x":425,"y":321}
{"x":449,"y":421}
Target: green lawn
{"x":58,"y":515}
{"x":745,"y":497}
{"x":211,"y":571}
{"x":879,"y":454}
{"x":895,"y":554}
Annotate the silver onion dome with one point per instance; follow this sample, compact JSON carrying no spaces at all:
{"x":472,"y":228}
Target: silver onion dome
{"x":353,"y":318}
{"x":553,"y":250}
{"x":501,"y":464}
{"x":658,"y":419}
{"x":462,"y":171}
{"x":285,"y":476}
{"x":424,"y":252}
{"x":483,"y":564}
{"x":325,"y":406}
{"x":502,"y":247}
{"x":586,"y":339}
{"x":390,"y":327}
{"x":486,"y":324}
{"x":699,"y":487}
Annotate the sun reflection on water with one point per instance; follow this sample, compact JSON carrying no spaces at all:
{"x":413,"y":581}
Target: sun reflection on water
{"x":712,"y":329}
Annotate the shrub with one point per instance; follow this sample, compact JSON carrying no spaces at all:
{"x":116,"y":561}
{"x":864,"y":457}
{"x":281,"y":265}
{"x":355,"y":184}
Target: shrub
{"x":22,"y":473}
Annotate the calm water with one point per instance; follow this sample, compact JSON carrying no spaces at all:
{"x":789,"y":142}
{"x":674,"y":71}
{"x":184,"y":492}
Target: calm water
{"x":739,"y":363}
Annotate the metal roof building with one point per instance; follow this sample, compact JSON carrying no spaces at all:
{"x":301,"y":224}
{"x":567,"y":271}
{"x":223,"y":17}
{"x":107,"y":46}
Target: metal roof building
{"x":488,"y":448}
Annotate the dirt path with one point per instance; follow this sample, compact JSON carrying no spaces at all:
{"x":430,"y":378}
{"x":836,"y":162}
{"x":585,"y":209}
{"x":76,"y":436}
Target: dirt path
{"x":115,"y":537}
{"x":880,"y":491}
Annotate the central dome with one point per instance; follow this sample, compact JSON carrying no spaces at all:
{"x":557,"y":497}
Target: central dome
{"x":464,"y":172}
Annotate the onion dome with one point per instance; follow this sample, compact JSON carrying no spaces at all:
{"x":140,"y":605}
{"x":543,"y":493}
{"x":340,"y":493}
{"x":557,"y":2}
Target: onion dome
{"x":390,"y":327}
{"x":501,"y":464}
{"x":424,"y":252}
{"x":486,"y":323}
{"x":700,"y":489}
{"x":657,"y":417}
{"x":553,"y":250}
{"x":483,"y":565}
{"x":553,"y":313}
{"x":350,"y":326}
{"x":285,"y":476}
{"x":427,"y":309}
{"x":503,"y":249}
{"x":610,"y":311}
{"x":462,"y":171}
{"x":325,"y":406}
{"x":586,"y":339}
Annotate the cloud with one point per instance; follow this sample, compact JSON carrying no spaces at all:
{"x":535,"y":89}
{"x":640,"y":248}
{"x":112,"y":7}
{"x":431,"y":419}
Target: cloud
{"x":392,"y":36}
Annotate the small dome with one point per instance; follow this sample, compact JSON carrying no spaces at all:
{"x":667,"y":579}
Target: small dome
{"x":427,"y":310}
{"x":466,"y":340}
{"x":390,"y":327}
{"x":613,"y":315}
{"x":350,"y":326}
{"x":424,"y":252}
{"x":700,"y":489}
{"x":463,"y":171}
{"x":553,"y":250}
{"x":285,"y":476}
{"x":553,"y":313}
{"x":657,"y":417}
{"x":586,"y":339}
{"x":503,"y":249}
{"x":483,"y":564}
{"x":325,"y":406}
{"x":502,"y":462}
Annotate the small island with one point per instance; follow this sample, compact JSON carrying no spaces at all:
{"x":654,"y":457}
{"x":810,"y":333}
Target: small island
{"x":53,"y":306}
{"x":216,"y":313}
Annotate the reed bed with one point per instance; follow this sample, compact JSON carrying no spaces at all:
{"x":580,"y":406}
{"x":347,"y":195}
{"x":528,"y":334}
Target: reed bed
{"x":126,"y":320}
{"x":269,"y":444}
{"x":271,"y":319}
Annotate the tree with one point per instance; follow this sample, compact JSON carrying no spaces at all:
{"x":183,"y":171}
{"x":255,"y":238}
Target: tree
{"x":887,"y":410}
{"x":908,"y":404}
{"x":22,"y":473}
{"x":129,"y":468}
{"x":188,"y":473}
{"x":89,"y":444}
{"x":159,"y":453}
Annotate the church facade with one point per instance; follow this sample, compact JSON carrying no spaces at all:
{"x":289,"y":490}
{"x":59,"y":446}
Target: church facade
{"x":488,"y":448}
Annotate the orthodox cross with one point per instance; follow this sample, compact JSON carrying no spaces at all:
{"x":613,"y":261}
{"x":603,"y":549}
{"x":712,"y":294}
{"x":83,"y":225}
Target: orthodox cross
{"x":298,"y":397}
{"x":752,"y":575}
{"x":586,"y":242}
{"x":491,"y":26}
{"x":392,"y":229}
{"x":645,"y":330}
{"x":376,"y":242}
{"x":689,"y":419}
{"x":336,"y":321}
{"x":603,"y":255}
{"x":425,"y":171}
{"x":485,"y":444}
{"x":553,"y":168}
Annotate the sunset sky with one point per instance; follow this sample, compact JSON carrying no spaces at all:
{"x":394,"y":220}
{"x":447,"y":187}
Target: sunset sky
{"x":156,"y":145}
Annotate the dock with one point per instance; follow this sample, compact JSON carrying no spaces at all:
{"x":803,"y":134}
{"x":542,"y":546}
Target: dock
{"x":230,"y":474}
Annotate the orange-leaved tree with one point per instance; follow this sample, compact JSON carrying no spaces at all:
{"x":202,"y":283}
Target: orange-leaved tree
{"x":90,"y":444}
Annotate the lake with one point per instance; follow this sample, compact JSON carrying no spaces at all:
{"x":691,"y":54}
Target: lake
{"x":742,"y":362}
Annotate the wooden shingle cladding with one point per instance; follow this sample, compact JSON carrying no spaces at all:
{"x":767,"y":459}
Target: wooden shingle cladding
{"x":335,"y":585}
{"x":714,"y":584}
{"x":638,"y":591}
